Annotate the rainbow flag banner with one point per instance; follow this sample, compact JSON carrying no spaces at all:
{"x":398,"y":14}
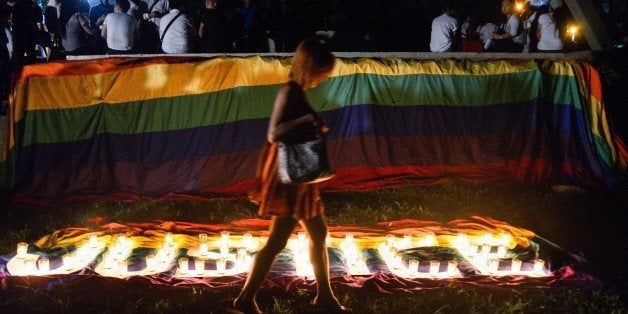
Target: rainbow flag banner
{"x":193,"y":127}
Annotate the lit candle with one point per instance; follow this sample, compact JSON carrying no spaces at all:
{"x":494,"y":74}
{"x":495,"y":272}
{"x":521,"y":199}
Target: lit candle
{"x":203,"y":249}
{"x":486,"y":250}
{"x":434,"y":268}
{"x":224,"y":250}
{"x":122,"y":268}
{"x":430,"y":239}
{"x":183,"y":265}
{"x":249,"y":244}
{"x":398,"y":260}
{"x":487,"y":238}
{"x":108,"y":260}
{"x":462,"y":242}
{"x":515,"y":265}
{"x":150,"y":262}
{"x":301,"y":238}
{"x":121,"y":240}
{"x":539,"y":264}
{"x":505,"y":239}
{"x":221,"y":265}
{"x":202,"y":238}
{"x":44,"y":265}
{"x":407,"y":240}
{"x":93,"y":241}
{"x":474,"y":250}
{"x":349,"y":237}
{"x":390,"y":240}
{"x":240,"y":258}
{"x":22,"y":248}
{"x":168,"y":239}
{"x":328,"y":239}
{"x":199,"y":265}
{"x":224,"y":238}
{"x":413,"y":266}
{"x":501,"y":251}
{"x":452,"y":267}
{"x":68,"y":262}
{"x":519,"y":6}
{"x":493,"y":265}
{"x":572,"y":30}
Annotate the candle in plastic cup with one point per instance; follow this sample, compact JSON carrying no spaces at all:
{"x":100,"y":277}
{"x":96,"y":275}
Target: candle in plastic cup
{"x":390,"y":240}
{"x":486,"y":250}
{"x":150,"y":262}
{"x":430,"y":239}
{"x":434,"y":268}
{"x":249,"y":244}
{"x":515,"y":265}
{"x":349,"y":237}
{"x":301,"y":238}
{"x":168,"y":239}
{"x":224,"y":249}
{"x":221,"y":265}
{"x":501,"y":251}
{"x":224,"y":238}
{"x":487,"y":238}
{"x":539,"y":264}
{"x":68,"y":261}
{"x":452,"y":267}
{"x":123,"y":268}
{"x":203,"y":250}
{"x":183,"y":265}
{"x":328,"y":239}
{"x":199,"y":265}
{"x":398,"y":259}
{"x":108,"y":260}
{"x":93,"y":241}
{"x":43,"y":265}
{"x":413,"y":266}
{"x":22,"y":248}
{"x":407,"y":240}
{"x":202,"y":238}
{"x":121,"y":240}
{"x":493,"y":265}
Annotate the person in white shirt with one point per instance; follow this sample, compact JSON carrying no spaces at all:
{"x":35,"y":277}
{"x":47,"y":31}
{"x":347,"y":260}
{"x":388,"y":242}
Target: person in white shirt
{"x":177,"y":30}
{"x":120,"y":29}
{"x":509,"y":37}
{"x":444,"y":30}
{"x":547,"y":27}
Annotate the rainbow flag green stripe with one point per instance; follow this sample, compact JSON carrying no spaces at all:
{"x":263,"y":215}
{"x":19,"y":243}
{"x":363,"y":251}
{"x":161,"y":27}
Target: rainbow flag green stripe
{"x":254,"y":102}
{"x":122,"y":124}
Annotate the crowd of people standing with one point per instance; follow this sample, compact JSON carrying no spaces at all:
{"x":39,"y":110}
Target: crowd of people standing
{"x":535,"y":26}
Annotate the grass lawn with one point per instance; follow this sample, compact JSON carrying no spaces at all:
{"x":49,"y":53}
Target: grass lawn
{"x":591,"y":225}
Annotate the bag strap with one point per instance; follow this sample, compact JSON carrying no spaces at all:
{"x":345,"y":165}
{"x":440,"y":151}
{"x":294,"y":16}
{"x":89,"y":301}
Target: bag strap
{"x":168,"y":26}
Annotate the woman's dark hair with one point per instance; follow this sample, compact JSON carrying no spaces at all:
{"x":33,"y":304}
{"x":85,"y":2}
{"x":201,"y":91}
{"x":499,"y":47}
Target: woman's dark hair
{"x":123,"y":4}
{"x":68,"y":8}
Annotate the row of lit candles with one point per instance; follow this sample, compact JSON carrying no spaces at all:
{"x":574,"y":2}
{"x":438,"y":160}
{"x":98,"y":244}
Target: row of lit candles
{"x":116,"y":257}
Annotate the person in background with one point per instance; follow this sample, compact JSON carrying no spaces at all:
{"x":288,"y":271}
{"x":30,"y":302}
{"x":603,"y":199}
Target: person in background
{"x":548,"y":26}
{"x":27,"y":21}
{"x":176,"y":30}
{"x":120,"y":29}
{"x":74,"y":29}
{"x":292,"y":119}
{"x":214,"y":29}
{"x":509,"y":36}
{"x":444,"y":30}
{"x":252,"y":28}
{"x":98,"y":12}
{"x":485,"y":31}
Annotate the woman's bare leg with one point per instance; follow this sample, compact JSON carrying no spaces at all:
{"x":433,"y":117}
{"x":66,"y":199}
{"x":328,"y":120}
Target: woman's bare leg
{"x":317,"y":230}
{"x":281,"y":228}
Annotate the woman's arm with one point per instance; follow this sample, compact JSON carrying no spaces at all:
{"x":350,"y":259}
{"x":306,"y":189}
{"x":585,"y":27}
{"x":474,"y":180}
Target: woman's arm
{"x":277,"y":130}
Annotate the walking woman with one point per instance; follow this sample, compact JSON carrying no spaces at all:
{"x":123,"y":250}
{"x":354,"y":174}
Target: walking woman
{"x":292,"y":119}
